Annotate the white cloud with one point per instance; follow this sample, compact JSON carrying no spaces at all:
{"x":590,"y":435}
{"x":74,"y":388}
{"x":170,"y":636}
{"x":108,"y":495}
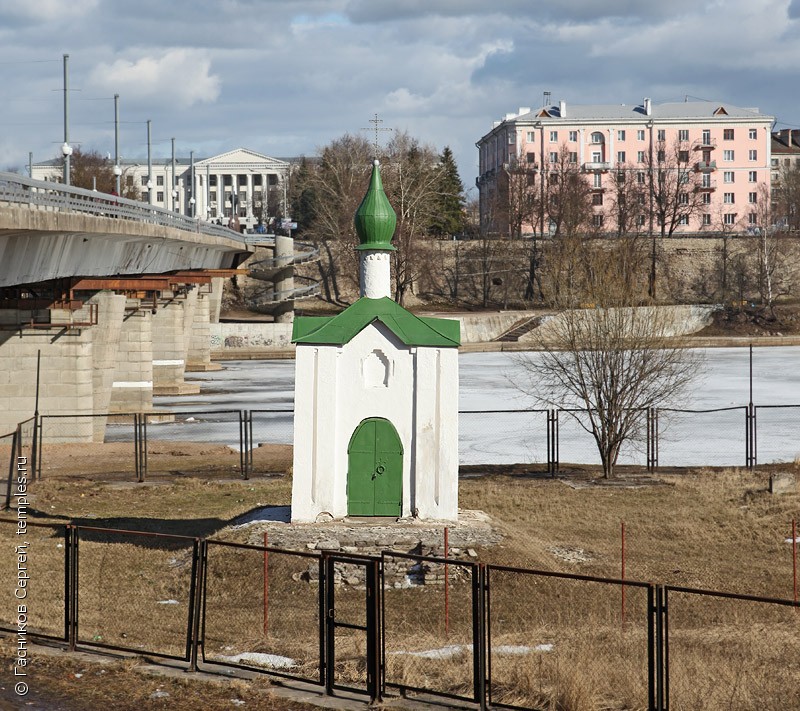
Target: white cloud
{"x":46,"y":10}
{"x":181,"y":76}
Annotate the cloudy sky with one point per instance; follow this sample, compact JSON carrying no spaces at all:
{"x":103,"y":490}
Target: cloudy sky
{"x":284,"y":77}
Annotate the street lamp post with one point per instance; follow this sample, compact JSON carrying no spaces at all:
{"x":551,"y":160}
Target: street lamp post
{"x":173,"y":189}
{"x":191,"y":179}
{"x":149,"y":166}
{"x":66,"y":150}
{"x":117,"y":169}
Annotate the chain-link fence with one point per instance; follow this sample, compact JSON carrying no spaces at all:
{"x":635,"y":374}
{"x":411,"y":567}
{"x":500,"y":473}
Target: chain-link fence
{"x":135,"y":591}
{"x":262,"y":610}
{"x":210,"y":443}
{"x":34,"y":568}
{"x":688,"y":438}
{"x":243,"y":443}
{"x":566,"y":641}
{"x":430,"y":650}
{"x":90,"y":446}
{"x":778,"y":433}
{"x":731,"y":652}
{"x":502,"y":437}
{"x":271,"y":433}
{"x":509,"y":637}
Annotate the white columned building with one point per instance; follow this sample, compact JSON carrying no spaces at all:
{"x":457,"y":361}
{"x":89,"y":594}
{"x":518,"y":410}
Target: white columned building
{"x":239,"y":172}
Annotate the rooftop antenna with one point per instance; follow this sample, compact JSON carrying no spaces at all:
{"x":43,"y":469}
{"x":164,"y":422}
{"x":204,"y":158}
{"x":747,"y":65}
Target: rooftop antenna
{"x":376,"y":127}
{"x":546,"y":99}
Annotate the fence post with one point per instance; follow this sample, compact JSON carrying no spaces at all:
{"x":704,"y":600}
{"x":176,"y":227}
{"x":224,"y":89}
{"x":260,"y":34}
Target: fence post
{"x":479,"y":592}
{"x":662,"y":650}
{"x":751,"y":455}
{"x":266,"y":585}
{"x":12,"y":467}
{"x":552,"y":442}
{"x":374,"y":662}
{"x":140,"y":445}
{"x":196,"y":601}
{"x":34,"y":448}
{"x":71,"y":585}
{"x":794,"y":561}
{"x":652,"y":439}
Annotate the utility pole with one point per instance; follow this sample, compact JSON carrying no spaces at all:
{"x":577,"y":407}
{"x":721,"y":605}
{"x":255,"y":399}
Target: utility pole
{"x":117,"y":169}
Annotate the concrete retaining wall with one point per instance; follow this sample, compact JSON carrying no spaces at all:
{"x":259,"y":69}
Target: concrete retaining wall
{"x":244,"y":339}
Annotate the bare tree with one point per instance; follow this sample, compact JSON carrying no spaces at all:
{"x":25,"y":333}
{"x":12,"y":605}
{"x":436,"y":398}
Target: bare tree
{"x":675,"y":195}
{"x":90,"y":169}
{"x":568,"y":203}
{"x":613,"y":361}
{"x":337,"y":183}
{"x":629,"y":199}
{"x":413,"y":184}
{"x":786,"y":197}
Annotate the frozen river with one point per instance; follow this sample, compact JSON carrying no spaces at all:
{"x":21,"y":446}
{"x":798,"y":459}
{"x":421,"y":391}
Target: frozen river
{"x":486,"y":383}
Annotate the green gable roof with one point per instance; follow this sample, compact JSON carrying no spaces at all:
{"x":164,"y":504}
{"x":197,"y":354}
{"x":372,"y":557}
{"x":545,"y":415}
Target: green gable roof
{"x":410,"y":329}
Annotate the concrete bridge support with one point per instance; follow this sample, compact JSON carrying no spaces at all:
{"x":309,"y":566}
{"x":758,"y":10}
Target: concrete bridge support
{"x":198,"y":332}
{"x":66,"y":381}
{"x":169,"y":345}
{"x":108,"y":354}
{"x":132,"y":387}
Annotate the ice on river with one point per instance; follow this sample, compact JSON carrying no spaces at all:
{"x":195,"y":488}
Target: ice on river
{"x":488,"y":383}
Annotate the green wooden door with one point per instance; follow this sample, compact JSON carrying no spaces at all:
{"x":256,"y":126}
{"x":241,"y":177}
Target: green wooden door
{"x":375,"y":470}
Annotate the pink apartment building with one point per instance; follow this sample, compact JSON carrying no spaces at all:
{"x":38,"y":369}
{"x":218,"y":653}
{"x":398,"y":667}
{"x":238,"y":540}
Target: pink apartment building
{"x":719,"y":154}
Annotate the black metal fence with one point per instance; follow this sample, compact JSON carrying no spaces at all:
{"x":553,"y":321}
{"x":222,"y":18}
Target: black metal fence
{"x":489,"y":635}
{"x":244,"y":443}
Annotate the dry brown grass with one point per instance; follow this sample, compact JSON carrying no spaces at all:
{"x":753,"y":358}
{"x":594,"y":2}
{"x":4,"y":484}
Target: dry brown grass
{"x":115,"y":461}
{"x":59,"y":680}
{"x":709,"y":529}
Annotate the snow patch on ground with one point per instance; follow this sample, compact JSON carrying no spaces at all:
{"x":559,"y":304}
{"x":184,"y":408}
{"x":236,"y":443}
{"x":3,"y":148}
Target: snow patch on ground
{"x":168,"y":602}
{"x":273,"y":661}
{"x":453,"y":650}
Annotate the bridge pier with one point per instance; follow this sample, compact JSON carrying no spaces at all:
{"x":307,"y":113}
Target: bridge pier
{"x":66,"y":381}
{"x":198,"y":352}
{"x":132,"y":387}
{"x":174,"y":311}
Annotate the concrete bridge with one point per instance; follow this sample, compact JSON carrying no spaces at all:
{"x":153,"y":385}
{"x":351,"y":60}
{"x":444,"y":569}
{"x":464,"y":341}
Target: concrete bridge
{"x":116,"y":295}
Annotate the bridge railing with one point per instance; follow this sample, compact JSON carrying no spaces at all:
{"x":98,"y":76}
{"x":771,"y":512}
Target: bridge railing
{"x":66,"y":198}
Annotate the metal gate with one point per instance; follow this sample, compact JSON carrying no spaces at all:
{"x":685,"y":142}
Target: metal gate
{"x":352,"y":624}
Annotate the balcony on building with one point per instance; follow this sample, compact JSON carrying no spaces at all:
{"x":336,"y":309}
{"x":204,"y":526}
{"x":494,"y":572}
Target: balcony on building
{"x":706,"y":186}
{"x":597,"y":166}
{"x":705,"y":166}
{"x":706,"y":144}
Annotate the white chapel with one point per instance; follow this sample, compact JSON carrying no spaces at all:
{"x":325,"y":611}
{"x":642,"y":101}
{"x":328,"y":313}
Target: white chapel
{"x":376,"y":397}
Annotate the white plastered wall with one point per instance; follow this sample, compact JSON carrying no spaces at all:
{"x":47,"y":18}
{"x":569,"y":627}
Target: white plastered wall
{"x":375,"y":375}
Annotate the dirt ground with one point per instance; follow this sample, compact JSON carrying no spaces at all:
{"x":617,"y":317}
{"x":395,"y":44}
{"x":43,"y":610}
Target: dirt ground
{"x":783,"y":320}
{"x":115,"y":461}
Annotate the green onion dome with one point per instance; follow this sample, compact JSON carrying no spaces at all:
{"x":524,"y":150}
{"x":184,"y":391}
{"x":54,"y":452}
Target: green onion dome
{"x":375,"y":219}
